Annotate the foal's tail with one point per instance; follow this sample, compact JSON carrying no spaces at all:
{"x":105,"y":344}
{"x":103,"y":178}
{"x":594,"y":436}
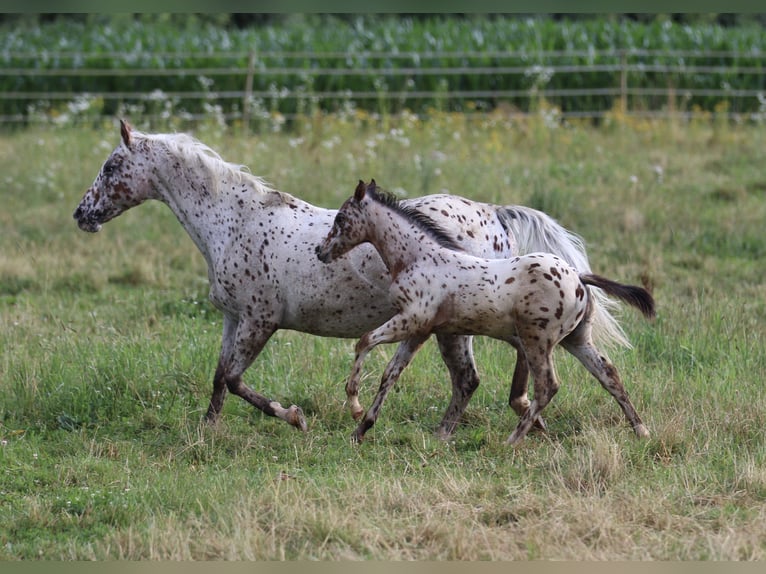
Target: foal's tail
{"x":532,"y":231}
{"x":633,"y":295}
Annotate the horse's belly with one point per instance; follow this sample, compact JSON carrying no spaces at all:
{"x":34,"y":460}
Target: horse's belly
{"x":351,"y":320}
{"x":343,"y":299}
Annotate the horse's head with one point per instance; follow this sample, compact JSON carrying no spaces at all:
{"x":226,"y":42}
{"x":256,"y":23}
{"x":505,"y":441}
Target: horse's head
{"x":349,"y":228}
{"x":121,"y":184}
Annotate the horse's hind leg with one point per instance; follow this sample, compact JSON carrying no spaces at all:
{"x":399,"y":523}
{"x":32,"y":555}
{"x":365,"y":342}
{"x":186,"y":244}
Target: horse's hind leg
{"x":404,"y":354}
{"x":539,"y":360}
{"x":242,"y":343}
{"x":457,"y":353}
{"x":579,"y":344}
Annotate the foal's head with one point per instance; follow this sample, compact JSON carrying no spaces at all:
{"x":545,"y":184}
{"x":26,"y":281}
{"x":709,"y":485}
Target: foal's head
{"x":352,"y":226}
{"x":121,"y":184}
{"x":349,"y":228}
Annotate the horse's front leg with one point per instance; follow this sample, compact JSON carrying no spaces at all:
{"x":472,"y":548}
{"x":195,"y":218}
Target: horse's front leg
{"x":236,"y":356}
{"x":219,"y":384}
{"x":404,"y":354}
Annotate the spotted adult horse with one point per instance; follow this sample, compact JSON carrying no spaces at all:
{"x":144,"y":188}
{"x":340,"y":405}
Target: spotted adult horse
{"x":533,"y":301}
{"x":259,"y":247}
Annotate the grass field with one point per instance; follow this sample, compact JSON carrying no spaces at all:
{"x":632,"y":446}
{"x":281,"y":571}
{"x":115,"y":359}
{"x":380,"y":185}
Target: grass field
{"x":108,"y":346}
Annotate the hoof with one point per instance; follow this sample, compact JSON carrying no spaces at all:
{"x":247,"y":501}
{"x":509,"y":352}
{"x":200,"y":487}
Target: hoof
{"x":641,"y":431}
{"x":514,"y":439}
{"x":357,"y":437}
{"x":518,"y":434}
{"x":356,"y":408}
{"x":442,"y":434}
{"x":540,"y":425}
{"x":212,"y":418}
{"x":295,"y":418}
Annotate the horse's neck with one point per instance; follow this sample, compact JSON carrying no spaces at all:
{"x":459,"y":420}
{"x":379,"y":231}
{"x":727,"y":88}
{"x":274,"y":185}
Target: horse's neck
{"x":205,"y":207}
{"x":399,"y":241}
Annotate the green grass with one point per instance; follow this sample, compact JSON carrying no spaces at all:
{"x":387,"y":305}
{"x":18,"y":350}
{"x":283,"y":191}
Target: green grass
{"x":108,"y":346}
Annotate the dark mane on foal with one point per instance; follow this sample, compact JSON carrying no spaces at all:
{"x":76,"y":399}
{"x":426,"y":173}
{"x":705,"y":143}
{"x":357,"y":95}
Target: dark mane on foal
{"x":421,"y":220}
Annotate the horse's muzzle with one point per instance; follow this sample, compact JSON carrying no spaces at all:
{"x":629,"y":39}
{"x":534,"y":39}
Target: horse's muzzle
{"x":86,"y":221}
{"x":324,"y":257}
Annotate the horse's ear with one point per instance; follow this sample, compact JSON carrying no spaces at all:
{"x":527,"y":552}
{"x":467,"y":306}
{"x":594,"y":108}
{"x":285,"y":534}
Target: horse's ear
{"x":359,"y":191}
{"x":125,"y":130}
{"x":372,"y":187}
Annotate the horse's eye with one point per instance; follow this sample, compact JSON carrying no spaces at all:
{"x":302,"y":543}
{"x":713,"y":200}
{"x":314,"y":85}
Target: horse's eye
{"x":110,"y":167}
{"x":340,"y":219}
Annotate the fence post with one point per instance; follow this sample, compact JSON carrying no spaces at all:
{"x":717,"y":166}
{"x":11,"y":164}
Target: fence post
{"x":623,"y":82}
{"x":248,"y":92}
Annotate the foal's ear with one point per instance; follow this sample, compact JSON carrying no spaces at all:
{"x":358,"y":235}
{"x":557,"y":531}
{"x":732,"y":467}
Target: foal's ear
{"x":359,"y":191}
{"x":125,"y":129}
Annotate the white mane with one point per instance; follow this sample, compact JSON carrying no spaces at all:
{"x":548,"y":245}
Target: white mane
{"x":195,"y":154}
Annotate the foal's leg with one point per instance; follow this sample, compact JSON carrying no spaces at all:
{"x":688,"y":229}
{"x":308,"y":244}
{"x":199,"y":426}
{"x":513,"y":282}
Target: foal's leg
{"x":404,"y":354}
{"x":517,"y":399}
{"x":391,"y":331}
{"x":237,"y":355}
{"x":580,"y":346}
{"x":540,"y":361}
{"x":352,"y":384}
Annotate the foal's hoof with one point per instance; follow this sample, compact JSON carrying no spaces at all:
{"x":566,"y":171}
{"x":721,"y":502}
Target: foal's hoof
{"x":514,"y":439}
{"x":295,"y":418}
{"x":357,"y":436}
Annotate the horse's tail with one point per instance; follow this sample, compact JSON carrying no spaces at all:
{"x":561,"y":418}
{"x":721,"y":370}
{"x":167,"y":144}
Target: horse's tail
{"x":533,"y":231}
{"x":633,"y":295}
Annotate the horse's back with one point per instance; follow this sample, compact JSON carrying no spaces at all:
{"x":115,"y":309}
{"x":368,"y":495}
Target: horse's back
{"x":474,"y":225}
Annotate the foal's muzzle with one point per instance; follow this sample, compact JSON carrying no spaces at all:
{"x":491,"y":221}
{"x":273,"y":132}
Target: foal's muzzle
{"x":324,"y":256}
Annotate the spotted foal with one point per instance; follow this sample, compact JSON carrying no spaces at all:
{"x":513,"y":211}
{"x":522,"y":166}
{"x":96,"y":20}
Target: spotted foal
{"x":534,"y":302}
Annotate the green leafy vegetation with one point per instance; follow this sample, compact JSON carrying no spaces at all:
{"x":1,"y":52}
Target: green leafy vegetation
{"x":377,"y":63}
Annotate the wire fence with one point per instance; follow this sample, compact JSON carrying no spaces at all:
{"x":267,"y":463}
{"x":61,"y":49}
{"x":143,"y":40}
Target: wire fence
{"x":246,"y":86}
